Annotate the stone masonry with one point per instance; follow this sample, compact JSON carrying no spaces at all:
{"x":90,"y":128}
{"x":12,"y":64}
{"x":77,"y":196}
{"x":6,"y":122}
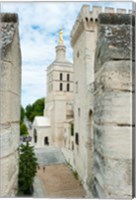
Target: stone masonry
{"x":113,"y":107}
{"x":10,"y":85}
{"x":102,"y":48}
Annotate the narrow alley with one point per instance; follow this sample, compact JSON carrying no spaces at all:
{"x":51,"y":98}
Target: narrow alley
{"x":54,"y":178}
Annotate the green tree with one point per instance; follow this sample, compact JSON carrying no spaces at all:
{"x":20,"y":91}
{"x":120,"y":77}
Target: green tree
{"x":27,"y":169}
{"x":22,"y":116}
{"x":36,"y":109}
{"x":23,"y":129}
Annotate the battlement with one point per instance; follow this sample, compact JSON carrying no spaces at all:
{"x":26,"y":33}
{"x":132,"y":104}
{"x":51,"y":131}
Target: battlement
{"x":88,"y":19}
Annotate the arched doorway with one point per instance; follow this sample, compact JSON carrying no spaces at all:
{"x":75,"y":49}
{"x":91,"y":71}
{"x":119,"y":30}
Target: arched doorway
{"x":35,"y":136}
{"x":46,"y":141}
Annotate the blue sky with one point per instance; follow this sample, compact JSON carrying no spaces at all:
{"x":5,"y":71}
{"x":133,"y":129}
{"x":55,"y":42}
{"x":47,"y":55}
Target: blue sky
{"x":39,"y":24}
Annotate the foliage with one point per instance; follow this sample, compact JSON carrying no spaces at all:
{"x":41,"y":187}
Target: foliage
{"x":22,"y":116}
{"x":36,"y":109}
{"x":23,"y":129}
{"x":27,"y":169}
{"x":72,"y":129}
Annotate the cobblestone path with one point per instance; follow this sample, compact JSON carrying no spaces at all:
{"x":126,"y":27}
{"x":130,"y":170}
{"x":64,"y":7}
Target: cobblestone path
{"x":56,"y":180}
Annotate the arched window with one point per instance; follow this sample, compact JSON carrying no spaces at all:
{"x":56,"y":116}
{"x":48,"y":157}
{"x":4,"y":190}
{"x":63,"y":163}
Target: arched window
{"x":61,"y":76}
{"x":61,"y":86}
{"x":68,"y":77}
{"x":68,"y":87}
{"x":35,"y":136}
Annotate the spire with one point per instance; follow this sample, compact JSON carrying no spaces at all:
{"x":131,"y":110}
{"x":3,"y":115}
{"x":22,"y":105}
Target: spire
{"x":60,"y":48}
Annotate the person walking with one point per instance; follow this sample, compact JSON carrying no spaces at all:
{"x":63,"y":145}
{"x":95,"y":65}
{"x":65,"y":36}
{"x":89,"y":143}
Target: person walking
{"x":43,"y":168}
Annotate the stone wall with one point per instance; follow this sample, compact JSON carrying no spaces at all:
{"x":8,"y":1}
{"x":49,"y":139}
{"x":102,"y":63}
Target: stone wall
{"x":10,"y":82}
{"x":113,"y":107}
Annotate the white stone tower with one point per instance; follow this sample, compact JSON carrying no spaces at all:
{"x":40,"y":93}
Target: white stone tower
{"x":59,"y":98}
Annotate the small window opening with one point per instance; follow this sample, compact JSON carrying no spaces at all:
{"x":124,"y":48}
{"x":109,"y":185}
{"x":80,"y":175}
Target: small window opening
{"x":61,"y":86}
{"x":77,"y":138}
{"x":61,"y":76}
{"x":68,"y":87}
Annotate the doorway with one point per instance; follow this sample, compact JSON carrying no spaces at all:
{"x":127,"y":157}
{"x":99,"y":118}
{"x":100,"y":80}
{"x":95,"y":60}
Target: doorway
{"x":46,"y":141}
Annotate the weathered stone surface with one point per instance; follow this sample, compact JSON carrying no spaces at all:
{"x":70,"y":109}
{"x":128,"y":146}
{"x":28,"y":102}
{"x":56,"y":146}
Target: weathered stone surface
{"x":112,"y":91}
{"x":9,"y":138}
{"x":115,"y":39}
{"x":10,"y":112}
{"x":10,"y":84}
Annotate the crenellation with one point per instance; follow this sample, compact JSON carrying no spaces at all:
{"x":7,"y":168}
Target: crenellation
{"x":88,"y":19}
{"x":121,"y":11}
{"x":96,"y":10}
{"x":109,"y":10}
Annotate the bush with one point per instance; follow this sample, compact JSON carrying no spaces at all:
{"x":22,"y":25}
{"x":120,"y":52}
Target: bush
{"x":23,"y":129}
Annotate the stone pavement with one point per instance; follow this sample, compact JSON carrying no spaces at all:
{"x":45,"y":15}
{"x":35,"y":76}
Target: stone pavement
{"x":49,"y":155}
{"x":57,"y":180}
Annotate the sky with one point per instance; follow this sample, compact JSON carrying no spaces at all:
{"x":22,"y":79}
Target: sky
{"x":39,"y":26}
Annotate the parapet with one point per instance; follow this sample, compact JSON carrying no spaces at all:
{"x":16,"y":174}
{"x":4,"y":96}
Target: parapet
{"x":8,"y":26}
{"x":88,"y":19}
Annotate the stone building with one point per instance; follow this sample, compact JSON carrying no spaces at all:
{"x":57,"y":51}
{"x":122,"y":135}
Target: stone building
{"x":10,"y":84}
{"x":59,"y":101}
{"x":102,"y":89}
{"x":93,"y":103}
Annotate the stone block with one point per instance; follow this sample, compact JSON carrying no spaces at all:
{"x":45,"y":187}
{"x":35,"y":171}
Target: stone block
{"x":9,"y":138}
{"x":10,"y":107}
{"x":8,"y":178}
{"x":11,"y":77}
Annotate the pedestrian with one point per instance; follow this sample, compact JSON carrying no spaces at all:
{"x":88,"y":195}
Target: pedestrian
{"x":44,"y":169}
{"x":38,"y":167}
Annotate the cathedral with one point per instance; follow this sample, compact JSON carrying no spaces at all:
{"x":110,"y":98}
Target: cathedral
{"x":58,"y":113}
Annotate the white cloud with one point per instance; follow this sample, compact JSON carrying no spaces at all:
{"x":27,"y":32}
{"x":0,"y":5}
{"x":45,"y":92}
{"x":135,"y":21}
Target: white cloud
{"x":39,"y":23}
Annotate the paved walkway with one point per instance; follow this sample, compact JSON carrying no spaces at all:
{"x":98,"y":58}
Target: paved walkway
{"x":56,"y":180}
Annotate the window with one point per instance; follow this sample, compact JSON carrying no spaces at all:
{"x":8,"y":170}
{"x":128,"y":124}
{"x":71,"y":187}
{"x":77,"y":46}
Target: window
{"x":77,"y":139}
{"x":76,"y":86}
{"x":61,"y":86}
{"x":61,"y":76}
{"x":68,"y":77}
{"x":68,"y":87}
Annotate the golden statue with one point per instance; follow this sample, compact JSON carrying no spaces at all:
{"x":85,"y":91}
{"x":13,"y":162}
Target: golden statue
{"x":61,"y":37}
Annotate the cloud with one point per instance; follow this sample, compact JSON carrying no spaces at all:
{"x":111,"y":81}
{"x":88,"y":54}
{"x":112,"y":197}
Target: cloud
{"x":39,"y":24}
